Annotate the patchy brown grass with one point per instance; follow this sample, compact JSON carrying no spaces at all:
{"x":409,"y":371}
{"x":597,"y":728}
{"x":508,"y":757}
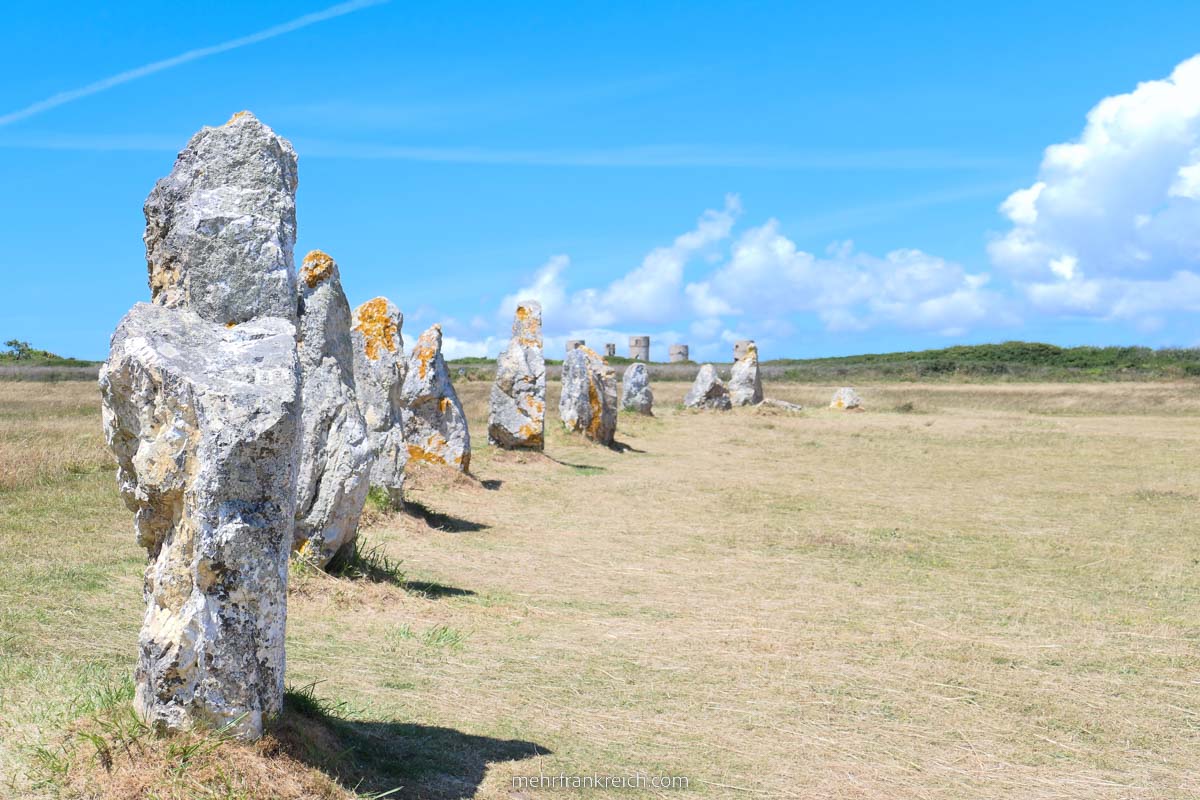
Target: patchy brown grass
{"x":963,"y":592}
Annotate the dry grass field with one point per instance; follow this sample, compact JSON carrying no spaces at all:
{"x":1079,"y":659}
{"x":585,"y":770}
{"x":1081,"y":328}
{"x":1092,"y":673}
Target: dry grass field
{"x":966,"y":591}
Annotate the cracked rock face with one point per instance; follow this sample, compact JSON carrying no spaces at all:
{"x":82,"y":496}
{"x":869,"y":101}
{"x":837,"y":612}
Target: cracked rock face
{"x":517,"y":406}
{"x":745,"y":385}
{"x":379,"y":370}
{"x":335,"y":453}
{"x":588,"y":404}
{"x":221,"y":228}
{"x":708,"y":391}
{"x":202,"y":420}
{"x":635,"y":390}
{"x":435,"y":427}
{"x":845,"y":398}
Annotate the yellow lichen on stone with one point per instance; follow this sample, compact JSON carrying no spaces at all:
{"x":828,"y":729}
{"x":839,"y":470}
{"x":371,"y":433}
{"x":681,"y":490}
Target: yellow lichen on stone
{"x":419,"y":455}
{"x":530,"y":327}
{"x":444,"y":405}
{"x":238,"y":116}
{"x":378,"y":328}
{"x":317,"y":267}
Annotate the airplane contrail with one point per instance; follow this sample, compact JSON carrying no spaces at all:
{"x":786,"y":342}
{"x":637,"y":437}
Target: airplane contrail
{"x":339,"y":10}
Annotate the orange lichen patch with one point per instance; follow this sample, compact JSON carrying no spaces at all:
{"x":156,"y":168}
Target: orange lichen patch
{"x":377,"y":326}
{"x":238,"y":116}
{"x":444,"y":405}
{"x":534,"y":406}
{"x":424,"y":352}
{"x":530,"y":433}
{"x":530,"y":327}
{"x":230,"y":324}
{"x":317,"y":267}
{"x":593,"y":429}
{"x":419,"y":455}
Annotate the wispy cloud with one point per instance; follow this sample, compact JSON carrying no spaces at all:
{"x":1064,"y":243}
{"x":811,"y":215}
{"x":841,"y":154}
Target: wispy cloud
{"x":339,"y":10}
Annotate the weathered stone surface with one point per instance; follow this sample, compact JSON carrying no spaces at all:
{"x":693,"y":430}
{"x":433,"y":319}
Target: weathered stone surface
{"x":784,"y":404}
{"x":845,"y":398}
{"x":379,"y":370}
{"x":517,"y":406}
{"x":708,"y":391}
{"x":588,"y":404}
{"x":745,"y":385}
{"x":221,"y":228}
{"x":335,"y":453}
{"x":435,"y":427}
{"x":202,"y":420}
{"x":635,"y":390}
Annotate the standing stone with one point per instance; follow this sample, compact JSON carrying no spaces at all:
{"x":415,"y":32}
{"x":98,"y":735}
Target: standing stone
{"x":846,"y":399}
{"x":588,"y":403}
{"x":202,"y":420}
{"x":635,"y":390}
{"x":517,"y":407}
{"x":335,"y":453}
{"x":221,"y":228}
{"x":435,"y":427}
{"x":708,"y":391}
{"x":745,"y":385}
{"x":200,"y":400}
{"x":379,"y":370}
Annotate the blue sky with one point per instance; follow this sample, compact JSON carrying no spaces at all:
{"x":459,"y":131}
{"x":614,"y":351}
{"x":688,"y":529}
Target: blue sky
{"x":825,"y":180}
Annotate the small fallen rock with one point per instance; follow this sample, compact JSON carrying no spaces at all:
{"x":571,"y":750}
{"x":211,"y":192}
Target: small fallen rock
{"x":772,"y":402}
{"x":708,"y":391}
{"x":588,"y":404}
{"x":846,"y":399}
{"x":635,"y":390}
{"x":435,"y":427}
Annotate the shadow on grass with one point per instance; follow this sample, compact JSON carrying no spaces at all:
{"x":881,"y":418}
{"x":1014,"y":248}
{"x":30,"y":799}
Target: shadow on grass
{"x":621,"y":447}
{"x":491,"y":484}
{"x":440,"y":521}
{"x":407,"y":760}
{"x":435,"y":590}
{"x":585,"y":468}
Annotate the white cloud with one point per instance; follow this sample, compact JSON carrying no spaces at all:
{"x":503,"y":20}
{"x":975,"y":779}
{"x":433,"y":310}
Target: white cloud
{"x":768,"y":279}
{"x":1111,"y":228}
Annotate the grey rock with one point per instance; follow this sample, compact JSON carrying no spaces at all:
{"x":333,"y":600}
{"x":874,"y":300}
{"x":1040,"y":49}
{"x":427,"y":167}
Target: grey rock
{"x":784,"y":404}
{"x":221,"y":228}
{"x":588,"y":404}
{"x":335,"y":453}
{"x":517,"y":405}
{"x":202,"y":420}
{"x":846,"y":399}
{"x":435,"y":427}
{"x":745,"y":385}
{"x":635,"y":390}
{"x":708,"y":391}
{"x":379,"y":370}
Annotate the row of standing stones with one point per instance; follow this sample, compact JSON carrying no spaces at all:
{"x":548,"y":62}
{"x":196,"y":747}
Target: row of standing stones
{"x":250,"y":411}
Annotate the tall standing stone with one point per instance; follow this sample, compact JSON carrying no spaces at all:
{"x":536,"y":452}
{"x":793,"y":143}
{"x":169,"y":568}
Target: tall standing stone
{"x":221,"y":228}
{"x":435,"y":427}
{"x":588,"y":404}
{"x":708,"y":391}
{"x":335,"y":453}
{"x":200,"y":397}
{"x":635,"y":390}
{"x":745,"y":385}
{"x":517,"y":405}
{"x":379,"y":370}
